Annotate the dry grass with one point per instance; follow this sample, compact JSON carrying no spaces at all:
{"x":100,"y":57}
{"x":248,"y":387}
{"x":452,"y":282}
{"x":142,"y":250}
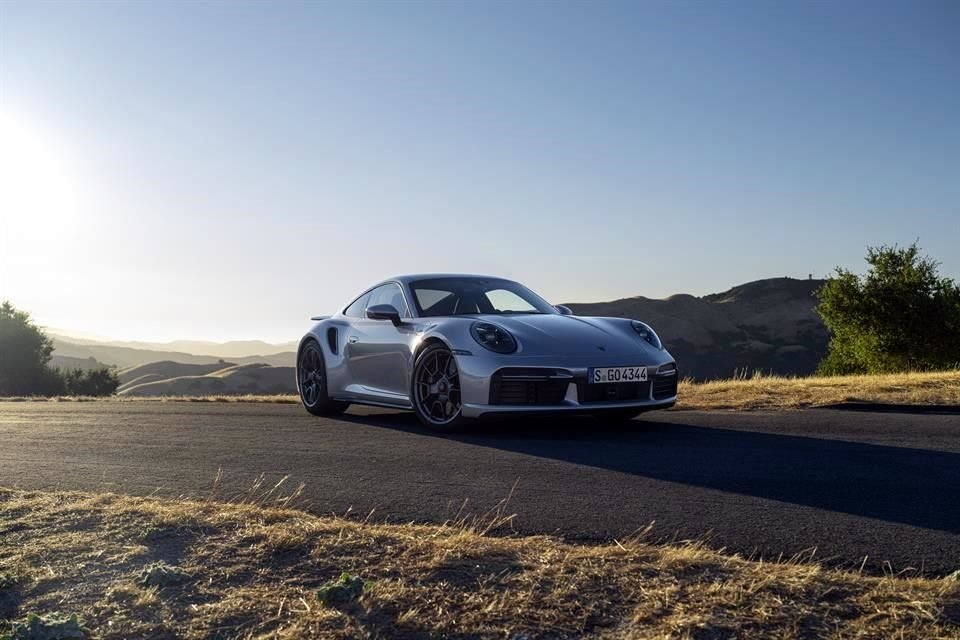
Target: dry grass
{"x":772,"y":392}
{"x":254,"y":571}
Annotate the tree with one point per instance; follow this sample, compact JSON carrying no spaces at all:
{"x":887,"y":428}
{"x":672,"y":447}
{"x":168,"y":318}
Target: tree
{"x":25,"y":351}
{"x":900,"y":316}
{"x":100,"y":381}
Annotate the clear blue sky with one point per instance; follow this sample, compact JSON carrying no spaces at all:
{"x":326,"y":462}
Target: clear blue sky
{"x":225,"y":170}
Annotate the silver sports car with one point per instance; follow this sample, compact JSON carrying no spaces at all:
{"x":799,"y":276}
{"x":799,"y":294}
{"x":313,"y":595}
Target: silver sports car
{"x":456,"y":347}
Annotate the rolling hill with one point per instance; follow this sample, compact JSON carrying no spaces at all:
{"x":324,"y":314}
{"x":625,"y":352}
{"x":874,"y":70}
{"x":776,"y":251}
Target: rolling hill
{"x":228,"y":380}
{"x":767,"y":325}
{"x":113,"y":354}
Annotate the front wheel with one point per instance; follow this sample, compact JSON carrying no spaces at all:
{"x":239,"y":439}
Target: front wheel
{"x":312,"y":383}
{"x":436,"y":389}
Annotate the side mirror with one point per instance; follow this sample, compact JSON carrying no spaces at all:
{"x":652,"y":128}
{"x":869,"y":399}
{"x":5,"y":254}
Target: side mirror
{"x":564,"y":310}
{"x":384,"y":312}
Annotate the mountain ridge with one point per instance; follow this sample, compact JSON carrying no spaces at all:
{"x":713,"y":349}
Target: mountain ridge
{"x":767,"y":325}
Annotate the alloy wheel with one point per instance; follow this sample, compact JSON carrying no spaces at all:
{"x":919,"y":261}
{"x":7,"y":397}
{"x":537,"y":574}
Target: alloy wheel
{"x":437,"y":387}
{"x":311,"y":375}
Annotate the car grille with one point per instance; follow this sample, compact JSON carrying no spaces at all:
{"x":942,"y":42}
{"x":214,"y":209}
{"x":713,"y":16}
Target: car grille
{"x":527,"y":387}
{"x":613,"y":392}
{"x":664,"y":386}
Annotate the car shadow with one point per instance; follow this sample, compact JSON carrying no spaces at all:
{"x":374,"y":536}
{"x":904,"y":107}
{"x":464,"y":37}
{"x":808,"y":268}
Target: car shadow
{"x":873,"y":407}
{"x":916,"y":487}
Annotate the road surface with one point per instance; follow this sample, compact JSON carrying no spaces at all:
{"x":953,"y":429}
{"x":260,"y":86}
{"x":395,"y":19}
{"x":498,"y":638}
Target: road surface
{"x":847,"y":484}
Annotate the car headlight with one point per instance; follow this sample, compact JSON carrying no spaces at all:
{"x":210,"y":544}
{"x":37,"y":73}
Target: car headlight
{"x":648,"y":334}
{"x":490,"y":336}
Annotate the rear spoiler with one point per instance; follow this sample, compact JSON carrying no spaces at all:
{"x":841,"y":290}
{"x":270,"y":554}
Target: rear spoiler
{"x":319,"y":318}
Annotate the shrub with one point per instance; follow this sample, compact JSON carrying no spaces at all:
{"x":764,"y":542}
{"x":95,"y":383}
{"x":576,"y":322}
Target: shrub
{"x":25,"y":351}
{"x":900,"y":316}
{"x":342,"y":591}
{"x":101,"y":381}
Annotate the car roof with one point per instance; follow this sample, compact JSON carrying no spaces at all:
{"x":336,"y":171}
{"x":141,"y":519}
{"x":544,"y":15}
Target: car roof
{"x":412,"y":277}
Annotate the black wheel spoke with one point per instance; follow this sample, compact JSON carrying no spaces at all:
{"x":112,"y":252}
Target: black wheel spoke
{"x":437,"y":387}
{"x":311,"y":375}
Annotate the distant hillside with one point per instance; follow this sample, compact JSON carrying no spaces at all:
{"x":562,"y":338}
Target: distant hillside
{"x":67,"y":362}
{"x":233,"y":349}
{"x":166,"y":369}
{"x":767,"y":325}
{"x":124,"y":357}
{"x":230,"y":380}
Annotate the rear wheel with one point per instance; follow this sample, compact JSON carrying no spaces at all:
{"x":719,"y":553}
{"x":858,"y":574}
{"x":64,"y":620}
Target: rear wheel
{"x":312,"y":382}
{"x":436,"y":389}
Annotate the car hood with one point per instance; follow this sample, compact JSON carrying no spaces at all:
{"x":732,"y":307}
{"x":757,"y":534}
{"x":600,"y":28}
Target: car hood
{"x":550,"y":334}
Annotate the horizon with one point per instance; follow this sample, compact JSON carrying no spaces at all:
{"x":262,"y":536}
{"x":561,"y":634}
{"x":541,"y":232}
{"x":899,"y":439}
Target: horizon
{"x":72,"y":334}
{"x":213,"y":172}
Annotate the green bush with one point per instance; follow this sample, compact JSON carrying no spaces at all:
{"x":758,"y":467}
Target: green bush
{"x":102,"y":381}
{"x":900,"y":316}
{"x":25,"y":352}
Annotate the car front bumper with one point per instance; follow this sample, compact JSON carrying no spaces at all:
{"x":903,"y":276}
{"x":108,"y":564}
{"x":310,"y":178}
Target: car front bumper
{"x":565,"y":386}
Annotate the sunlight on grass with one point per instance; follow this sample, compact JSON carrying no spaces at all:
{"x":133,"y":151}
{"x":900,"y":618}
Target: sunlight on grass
{"x":148,"y":567}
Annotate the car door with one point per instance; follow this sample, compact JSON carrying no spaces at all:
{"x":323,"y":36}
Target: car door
{"x":379,"y":352}
{"x":356,"y":321}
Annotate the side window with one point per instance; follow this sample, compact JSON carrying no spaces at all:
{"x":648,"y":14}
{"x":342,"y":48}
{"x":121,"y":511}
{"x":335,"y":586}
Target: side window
{"x":392,"y":295}
{"x":432,"y":299}
{"x":358,"y":308}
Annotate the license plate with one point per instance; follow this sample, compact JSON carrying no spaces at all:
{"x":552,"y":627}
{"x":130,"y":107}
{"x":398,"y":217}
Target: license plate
{"x":600,"y":375}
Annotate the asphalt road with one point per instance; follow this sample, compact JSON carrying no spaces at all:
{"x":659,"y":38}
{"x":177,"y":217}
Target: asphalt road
{"x":848,"y":484}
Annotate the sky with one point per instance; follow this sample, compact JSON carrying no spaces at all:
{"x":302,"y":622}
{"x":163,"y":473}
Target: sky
{"x":225,"y":170}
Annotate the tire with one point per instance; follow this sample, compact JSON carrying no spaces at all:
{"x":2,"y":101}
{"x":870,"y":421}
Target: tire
{"x":435,"y":389}
{"x":616,"y":416}
{"x":312,"y":382}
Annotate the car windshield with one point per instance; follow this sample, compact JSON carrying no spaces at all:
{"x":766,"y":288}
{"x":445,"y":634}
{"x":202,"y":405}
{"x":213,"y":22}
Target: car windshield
{"x":473,"y":296}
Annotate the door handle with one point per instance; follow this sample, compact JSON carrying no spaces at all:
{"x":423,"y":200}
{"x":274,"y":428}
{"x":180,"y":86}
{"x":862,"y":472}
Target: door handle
{"x":353,"y":339}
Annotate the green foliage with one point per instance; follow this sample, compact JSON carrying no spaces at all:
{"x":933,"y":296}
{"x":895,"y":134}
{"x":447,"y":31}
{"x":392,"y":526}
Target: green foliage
{"x":25,"y":351}
{"x":900,"y":316}
{"x":339,"y":592}
{"x":102,"y":381}
{"x":53,"y":626}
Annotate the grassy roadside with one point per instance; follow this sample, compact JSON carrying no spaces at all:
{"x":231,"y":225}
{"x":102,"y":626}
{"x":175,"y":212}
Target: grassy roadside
{"x":256,"y":570}
{"x":774,"y":392}
{"x":755,"y":393}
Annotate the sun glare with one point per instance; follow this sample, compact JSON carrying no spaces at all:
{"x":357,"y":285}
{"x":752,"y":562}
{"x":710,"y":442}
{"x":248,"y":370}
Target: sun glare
{"x":39,"y":193}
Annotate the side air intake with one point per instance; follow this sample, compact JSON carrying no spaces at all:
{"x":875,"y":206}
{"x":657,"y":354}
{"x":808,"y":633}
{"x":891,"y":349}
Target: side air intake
{"x":332,"y":339}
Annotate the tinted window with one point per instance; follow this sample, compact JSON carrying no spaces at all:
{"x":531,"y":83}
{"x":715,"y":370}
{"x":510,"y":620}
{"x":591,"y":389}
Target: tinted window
{"x":392,"y":295}
{"x":469,"y":296}
{"x":358,"y":308}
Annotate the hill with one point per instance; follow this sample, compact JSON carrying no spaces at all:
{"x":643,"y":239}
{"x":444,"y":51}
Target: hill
{"x":68,"y":362}
{"x":766,"y":325}
{"x":228,"y":350}
{"x":125,"y":356}
{"x":166,"y":369}
{"x":229,"y":380}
